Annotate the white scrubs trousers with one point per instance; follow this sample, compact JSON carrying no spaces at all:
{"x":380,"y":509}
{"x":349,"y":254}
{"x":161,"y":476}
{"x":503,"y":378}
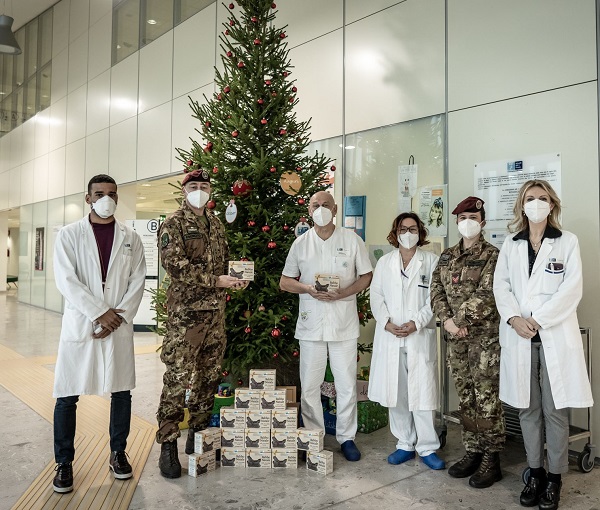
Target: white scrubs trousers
{"x":313,"y":362}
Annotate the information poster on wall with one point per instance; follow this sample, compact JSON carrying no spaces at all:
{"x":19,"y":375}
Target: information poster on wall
{"x":433,"y":209}
{"x":39,"y":249}
{"x":355,"y":212}
{"x":407,"y":186}
{"x":497,"y":183}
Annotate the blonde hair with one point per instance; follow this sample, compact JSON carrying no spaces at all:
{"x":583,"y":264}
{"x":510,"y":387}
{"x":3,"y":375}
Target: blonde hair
{"x":520,"y":221}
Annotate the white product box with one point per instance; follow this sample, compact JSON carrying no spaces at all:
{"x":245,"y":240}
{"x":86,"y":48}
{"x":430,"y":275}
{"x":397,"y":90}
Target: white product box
{"x":201,"y":463}
{"x":310,"y":440}
{"x":327,"y":282}
{"x":258,"y":419}
{"x":247,"y":399}
{"x":233,"y":418}
{"x":207,"y":440}
{"x":285,"y":458}
{"x":285,"y":418}
{"x":273,"y":399}
{"x":233,"y":457}
{"x":257,"y":438}
{"x":283,"y":438}
{"x":233,"y":438}
{"x":258,"y":458}
{"x":321,"y":462}
{"x":242,"y":269}
{"x":262,"y":379}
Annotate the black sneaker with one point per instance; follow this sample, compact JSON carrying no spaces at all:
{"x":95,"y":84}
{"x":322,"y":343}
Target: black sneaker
{"x":63,"y":481}
{"x":120,"y":466}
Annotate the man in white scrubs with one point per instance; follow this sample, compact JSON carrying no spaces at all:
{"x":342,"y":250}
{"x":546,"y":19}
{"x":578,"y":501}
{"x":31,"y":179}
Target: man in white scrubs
{"x":328,"y":319}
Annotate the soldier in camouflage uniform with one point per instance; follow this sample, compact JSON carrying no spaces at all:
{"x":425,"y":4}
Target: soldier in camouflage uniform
{"x":194,"y":252}
{"x":462,"y":297}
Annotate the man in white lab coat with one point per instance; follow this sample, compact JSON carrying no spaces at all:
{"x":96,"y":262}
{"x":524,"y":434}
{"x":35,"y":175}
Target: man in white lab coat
{"x":328,"y":320}
{"x":99,"y":268}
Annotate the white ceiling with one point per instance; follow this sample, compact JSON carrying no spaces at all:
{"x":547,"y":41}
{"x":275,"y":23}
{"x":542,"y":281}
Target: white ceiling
{"x":24,"y":10}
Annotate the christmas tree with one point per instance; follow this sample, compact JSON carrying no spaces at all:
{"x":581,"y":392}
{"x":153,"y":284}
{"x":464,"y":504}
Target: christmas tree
{"x":261,"y":176}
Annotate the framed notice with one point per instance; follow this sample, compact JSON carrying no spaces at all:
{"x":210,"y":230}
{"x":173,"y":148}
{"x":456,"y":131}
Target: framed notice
{"x":39,"y":249}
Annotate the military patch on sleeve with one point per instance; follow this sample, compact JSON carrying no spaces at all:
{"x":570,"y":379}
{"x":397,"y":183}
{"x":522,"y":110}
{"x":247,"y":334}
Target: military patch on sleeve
{"x":444,"y":259}
{"x":164,"y":240}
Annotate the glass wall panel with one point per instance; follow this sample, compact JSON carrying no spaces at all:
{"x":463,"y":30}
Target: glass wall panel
{"x":45,"y":37}
{"x":17,"y":111}
{"x":7,"y":74}
{"x":45,"y":78}
{"x":332,"y":148}
{"x":186,"y":8}
{"x":31,"y":48}
{"x":74,"y":208}
{"x":25,"y":252}
{"x":126,"y":29}
{"x":157,"y":19}
{"x":20,"y":59}
{"x":40,"y":239}
{"x":30,"y":99}
{"x":6,"y":115}
{"x":56,"y":214}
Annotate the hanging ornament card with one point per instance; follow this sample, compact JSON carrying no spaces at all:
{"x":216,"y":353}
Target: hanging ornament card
{"x":433,"y":209}
{"x":407,"y":186}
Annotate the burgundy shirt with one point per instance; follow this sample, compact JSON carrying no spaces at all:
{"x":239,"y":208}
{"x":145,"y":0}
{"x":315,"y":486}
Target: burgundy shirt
{"x":105,"y":234}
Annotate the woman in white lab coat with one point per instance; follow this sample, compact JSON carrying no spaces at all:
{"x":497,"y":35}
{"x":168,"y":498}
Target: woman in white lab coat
{"x":403,"y":373}
{"x":537,"y":286}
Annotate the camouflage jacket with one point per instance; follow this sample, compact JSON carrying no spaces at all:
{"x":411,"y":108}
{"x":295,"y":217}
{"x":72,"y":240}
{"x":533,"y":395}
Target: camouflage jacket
{"x":194,"y":254}
{"x":462,"y":287}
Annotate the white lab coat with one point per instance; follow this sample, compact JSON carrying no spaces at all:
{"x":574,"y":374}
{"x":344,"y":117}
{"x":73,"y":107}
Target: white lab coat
{"x":388,"y":303}
{"x":551,"y":296}
{"x":86,"y":366}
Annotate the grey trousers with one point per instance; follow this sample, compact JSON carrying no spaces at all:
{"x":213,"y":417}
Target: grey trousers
{"x":540,"y":416}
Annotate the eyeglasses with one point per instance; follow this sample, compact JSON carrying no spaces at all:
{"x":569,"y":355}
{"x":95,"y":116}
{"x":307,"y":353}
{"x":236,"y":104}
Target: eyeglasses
{"x":412,"y":230}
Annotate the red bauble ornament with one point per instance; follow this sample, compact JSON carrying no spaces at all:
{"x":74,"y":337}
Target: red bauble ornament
{"x":260,"y":101}
{"x":268,"y":83}
{"x":227,"y":89}
{"x":225,"y":373}
{"x":285,"y":74}
{"x":357,"y":358}
{"x":244,"y":259}
{"x":209,"y":147}
{"x":229,"y":54}
{"x":294,"y":89}
{"x":211,"y":204}
{"x":295,"y":354}
{"x":273,"y":5}
{"x":241,"y":65}
{"x":333,"y":169}
{"x":226,"y":32}
{"x":263,"y":121}
{"x":275,"y":355}
{"x":361,"y":316}
{"x":215,"y":170}
{"x":240,"y":382}
{"x":231,"y":22}
{"x":275,"y":332}
{"x":291,"y":99}
{"x":298,"y":169}
{"x":241,"y":187}
{"x":251,"y":223}
{"x":207,"y":124}
{"x":301,"y":201}
{"x":247,"y":330}
{"x":282,"y":132}
{"x":190,"y":162}
{"x":273,"y":94}
{"x":254,"y":19}
{"x":282,"y":35}
{"x":284,"y":318}
{"x":272,"y":169}
{"x":271,"y":245}
{"x":286,"y":227}
{"x":261,"y":308}
{"x":257,"y":42}
{"x":219,"y":97}
{"x":265,"y":228}
{"x":231,"y":6}
{"x":235,"y":133}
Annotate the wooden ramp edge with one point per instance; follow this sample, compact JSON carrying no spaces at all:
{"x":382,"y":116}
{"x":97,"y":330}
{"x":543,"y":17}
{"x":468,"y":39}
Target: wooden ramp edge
{"x":95,"y":487}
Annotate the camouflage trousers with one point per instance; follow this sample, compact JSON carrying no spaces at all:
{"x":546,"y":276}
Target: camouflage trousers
{"x":475,"y":367}
{"x":192,"y":352}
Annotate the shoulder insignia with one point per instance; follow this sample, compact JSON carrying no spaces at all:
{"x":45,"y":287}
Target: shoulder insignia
{"x":476,"y":263}
{"x":164,"y":240}
{"x":444,"y":259}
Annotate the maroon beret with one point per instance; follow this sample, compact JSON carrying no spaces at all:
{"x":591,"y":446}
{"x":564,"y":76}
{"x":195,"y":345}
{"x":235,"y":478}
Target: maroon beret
{"x":469,"y":204}
{"x":196,"y":175}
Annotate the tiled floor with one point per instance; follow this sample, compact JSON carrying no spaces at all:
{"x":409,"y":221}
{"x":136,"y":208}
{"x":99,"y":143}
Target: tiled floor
{"x":368,"y":484}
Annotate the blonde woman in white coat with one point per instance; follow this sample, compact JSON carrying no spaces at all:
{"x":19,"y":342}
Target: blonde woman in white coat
{"x":404,"y":364}
{"x":537,"y":286}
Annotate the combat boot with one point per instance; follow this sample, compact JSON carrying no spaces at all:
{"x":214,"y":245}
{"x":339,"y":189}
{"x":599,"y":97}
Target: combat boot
{"x":466,"y":466}
{"x":191,"y":439}
{"x":168,"y":461}
{"x":488,"y":472}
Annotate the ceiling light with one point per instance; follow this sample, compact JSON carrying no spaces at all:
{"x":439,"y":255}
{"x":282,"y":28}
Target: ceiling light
{"x":142,"y":198}
{"x":146,"y":184}
{"x":8,"y":43}
{"x":152,"y":22}
{"x":350,"y":147}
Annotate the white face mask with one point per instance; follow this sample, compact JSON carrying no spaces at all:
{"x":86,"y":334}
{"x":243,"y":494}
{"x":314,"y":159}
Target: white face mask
{"x":104,"y":207}
{"x":469,"y":228}
{"x":322,"y":216}
{"x":537,"y":210}
{"x":408,"y":240}
{"x":197,"y":198}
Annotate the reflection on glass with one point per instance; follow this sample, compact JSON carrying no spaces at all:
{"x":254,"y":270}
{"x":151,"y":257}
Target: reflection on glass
{"x":332,"y":149}
{"x":31,"y":47}
{"x":17,"y":112}
{"x":30,"y":99}
{"x":20,"y":59}
{"x":372,"y":168}
{"x":6,"y":114}
{"x":126,"y":29}
{"x":186,"y":8}
{"x":45,"y":78}
{"x":46,"y":37}
{"x":158,"y":19}
{"x":8,"y":62}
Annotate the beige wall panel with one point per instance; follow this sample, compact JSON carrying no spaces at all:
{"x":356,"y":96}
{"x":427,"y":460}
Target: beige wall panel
{"x":40,"y":179}
{"x":78,"y":62}
{"x":28,"y":140}
{"x":14,"y":196}
{"x":499,"y":50}
{"x":357,"y":9}
{"x":27,"y":181}
{"x":318,"y":74}
{"x":96,"y":154}
{"x":56,"y":173}
{"x":123,"y":151}
{"x":156,"y":73}
{"x":154,"y":142}
{"x":124,"y":89}
{"x":99,"y":50}
{"x":79,"y":18}
{"x":60,"y":27}
{"x":42,"y":132}
{"x":75,"y":167}
{"x":395,"y":65}
{"x":308,"y":19}
{"x":58,"y":124}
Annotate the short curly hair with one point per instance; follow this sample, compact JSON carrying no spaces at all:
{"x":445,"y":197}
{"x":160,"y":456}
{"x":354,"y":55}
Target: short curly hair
{"x":392,"y":237}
